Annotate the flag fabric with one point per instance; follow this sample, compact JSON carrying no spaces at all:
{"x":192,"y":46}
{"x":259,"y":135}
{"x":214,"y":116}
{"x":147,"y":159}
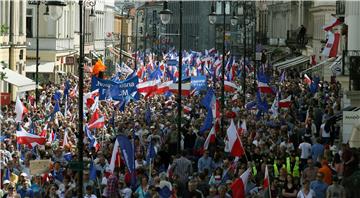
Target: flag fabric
{"x":275,"y":106}
{"x":187,"y":109}
{"x":23,"y":137}
{"x":163,"y":87}
{"x":127,"y":152}
{"x":150,"y":152}
{"x":261,"y":104}
{"x":332,"y":44}
{"x":115,"y":157}
{"x":307,"y":79}
{"x":266,"y":182}
{"x":314,"y":85}
{"x":98,"y":67}
{"x":250,"y":105}
{"x":20,"y":110}
{"x":185,"y":89}
{"x":282,"y":77}
{"x":207,"y":122}
{"x":93,"y":142}
{"x":230,"y":86}
{"x":92,"y":174}
{"x":52,"y":137}
{"x":238,"y":188}
{"x":66,"y":89}
{"x":147,"y":87}
{"x":148,"y":116}
{"x":97,"y":121}
{"x":95,"y":105}
{"x":57,"y":95}
{"x":245,"y":177}
{"x":234,"y":142}
{"x":264,"y":87}
{"x":285,"y":103}
{"x":333,"y":23}
{"x":210,"y":138}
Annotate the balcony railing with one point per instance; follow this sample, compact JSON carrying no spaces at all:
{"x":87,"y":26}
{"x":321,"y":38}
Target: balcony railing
{"x":51,"y":44}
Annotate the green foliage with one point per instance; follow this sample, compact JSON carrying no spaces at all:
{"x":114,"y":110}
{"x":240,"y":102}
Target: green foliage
{"x":2,"y":74}
{"x":3,"y":29}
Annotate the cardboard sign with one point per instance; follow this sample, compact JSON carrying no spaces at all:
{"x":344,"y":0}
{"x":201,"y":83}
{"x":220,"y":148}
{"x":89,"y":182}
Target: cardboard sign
{"x":39,"y":166}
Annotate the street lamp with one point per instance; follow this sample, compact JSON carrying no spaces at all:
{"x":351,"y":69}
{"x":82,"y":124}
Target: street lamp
{"x":212,"y":19}
{"x":121,"y":31}
{"x":165,"y":17}
{"x":80,"y":143}
{"x":55,"y":15}
{"x":136,"y":38}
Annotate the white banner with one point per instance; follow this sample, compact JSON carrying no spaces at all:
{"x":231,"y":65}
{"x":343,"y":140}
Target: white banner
{"x":350,"y":120}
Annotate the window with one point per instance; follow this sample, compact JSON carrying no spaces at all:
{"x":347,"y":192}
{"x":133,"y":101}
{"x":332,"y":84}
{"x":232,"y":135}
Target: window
{"x":29,"y":23}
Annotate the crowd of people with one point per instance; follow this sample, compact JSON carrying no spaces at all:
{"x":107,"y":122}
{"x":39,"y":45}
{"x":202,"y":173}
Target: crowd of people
{"x":299,"y":147}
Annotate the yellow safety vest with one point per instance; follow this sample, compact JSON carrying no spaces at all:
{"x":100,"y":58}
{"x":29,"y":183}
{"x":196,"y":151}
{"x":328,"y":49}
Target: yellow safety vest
{"x":254,"y":171}
{"x":276,"y":169}
{"x":295,"y":172}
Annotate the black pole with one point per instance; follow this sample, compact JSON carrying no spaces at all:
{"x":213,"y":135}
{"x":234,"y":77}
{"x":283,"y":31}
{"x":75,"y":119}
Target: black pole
{"x":136,"y":38}
{"x":244,"y":71}
{"x":37,"y":54}
{"x":80,"y":143}
{"x":223,"y":73}
{"x":255,"y":43}
{"x":121,"y":35}
{"x":145,"y":29}
{"x":180,"y":79}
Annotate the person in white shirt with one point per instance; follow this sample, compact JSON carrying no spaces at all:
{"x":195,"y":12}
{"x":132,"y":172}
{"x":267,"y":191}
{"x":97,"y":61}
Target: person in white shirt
{"x":306,"y":192}
{"x":89,"y":192}
{"x":325,"y":135}
{"x":305,"y":148}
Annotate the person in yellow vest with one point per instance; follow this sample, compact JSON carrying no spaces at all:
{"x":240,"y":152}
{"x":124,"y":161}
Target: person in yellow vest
{"x":278,"y":164}
{"x":292,"y":167}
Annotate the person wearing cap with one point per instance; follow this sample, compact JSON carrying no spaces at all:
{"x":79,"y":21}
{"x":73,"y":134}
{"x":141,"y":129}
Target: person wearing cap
{"x":11,"y":191}
{"x":335,"y":190}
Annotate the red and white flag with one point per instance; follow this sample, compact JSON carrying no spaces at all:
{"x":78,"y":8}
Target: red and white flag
{"x":20,"y":110}
{"x":333,"y":23}
{"x":313,"y":60}
{"x":332,"y":45}
{"x":241,"y":128}
{"x":238,"y":187}
{"x":185,"y":89}
{"x":266,"y":183}
{"x":215,"y":107}
{"x":210,"y":138}
{"x":147,"y":87}
{"x":285,"y":103}
{"x":163,"y":87}
{"x":97,"y":121}
{"x":307,"y":80}
{"x":230,"y":86}
{"x":89,"y":98}
{"x":115,"y":157}
{"x":187,"y":109}
{"x":23,"y":137}
{"x":234,"y":142}
{"x":264,"y":87}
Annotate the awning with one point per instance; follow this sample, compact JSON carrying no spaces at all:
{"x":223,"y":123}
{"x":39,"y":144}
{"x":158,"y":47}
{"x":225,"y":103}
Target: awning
{"x":47,"y":67}
{"x":291,"y":62}
{"x":329,"y":60}
{"x":21,"y":82}
{"x":116,"y":52}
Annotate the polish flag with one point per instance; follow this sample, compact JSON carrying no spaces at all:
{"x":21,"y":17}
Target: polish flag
{"x":44,"y":131}
{"x":234,"y":142}
{"x":238,"y":187}
{"x":215,"y":107}
{"x":285,"y":103}
{"x":147,"y":87}
{"x":20,"y":110}
{"x":187,"y":109}
{"x":264,"y":87}
{"x":185,"y":89}
{"x":163,"y":87}
{"x":52,"y":137}
{"x":332,"y":45}
{"x":230,"y":86}
{"x":333,"y":23}
{"x":115,"y":157}
{"x":23,"y":137}
{"x":89,"y":98}
{"x":210,"y":138}
{"x":96,"y":121}
{"x":241,"y":128}
{"x":266,"y":183}
{"x":307,"y":80}
{"x":65,"y":141}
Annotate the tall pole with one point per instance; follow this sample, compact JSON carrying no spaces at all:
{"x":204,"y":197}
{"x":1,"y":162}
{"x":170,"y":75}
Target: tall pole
{"x":223,"y":72}
{"x":121,"y":35}
{"x":244,"y":71}
{"x":180,"y":79}
{"x":37,"y":54}
{"x":80,"y":143}
{"x":136,"y":38}
{"x":145,"y":29}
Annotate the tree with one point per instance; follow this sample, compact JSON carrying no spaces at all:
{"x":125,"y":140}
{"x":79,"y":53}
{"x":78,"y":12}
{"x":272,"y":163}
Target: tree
{"x":3,"y":30}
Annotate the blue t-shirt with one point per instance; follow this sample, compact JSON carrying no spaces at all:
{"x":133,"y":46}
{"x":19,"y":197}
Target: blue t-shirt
{"x":319,"y":188}
{"x":317,"y":150}
{"x":26,"y":193}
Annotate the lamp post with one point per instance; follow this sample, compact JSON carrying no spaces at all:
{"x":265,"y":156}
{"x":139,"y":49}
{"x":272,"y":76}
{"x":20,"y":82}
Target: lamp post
{"x":55,"y":14}
{"x":121,"y":31}
{"x":80,"y":144}
{"x":136,"y":37}
{"x":233,"y":21}
{"x":165,"y":16}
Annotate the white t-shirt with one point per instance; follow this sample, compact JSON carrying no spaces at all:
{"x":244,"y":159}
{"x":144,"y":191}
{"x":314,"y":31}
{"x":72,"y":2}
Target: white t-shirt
{"x":305,"y":150}
{"x":301,"y":194}
{"x":324,"y":133}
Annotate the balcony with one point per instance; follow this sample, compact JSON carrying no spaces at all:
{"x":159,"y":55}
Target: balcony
{"x":53,"y":44}
{"x":292,"y":40}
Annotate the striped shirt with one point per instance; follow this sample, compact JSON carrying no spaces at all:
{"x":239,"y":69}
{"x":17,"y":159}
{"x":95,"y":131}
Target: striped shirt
{"x":183,"y":168}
